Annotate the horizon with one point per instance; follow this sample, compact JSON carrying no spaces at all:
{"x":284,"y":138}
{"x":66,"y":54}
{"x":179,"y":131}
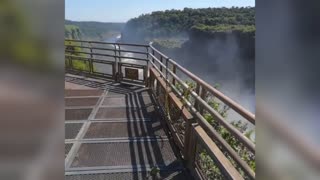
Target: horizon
{"x":108,"y":11}
{"x":94,"y":21}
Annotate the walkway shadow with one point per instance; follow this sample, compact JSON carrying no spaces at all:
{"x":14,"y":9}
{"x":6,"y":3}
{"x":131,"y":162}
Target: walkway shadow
{"x":98,"y":83}
{"x":141,"y":107}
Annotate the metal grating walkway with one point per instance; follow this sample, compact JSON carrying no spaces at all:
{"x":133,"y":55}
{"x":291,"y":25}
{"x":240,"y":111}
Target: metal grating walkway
{"x":116,"y":133}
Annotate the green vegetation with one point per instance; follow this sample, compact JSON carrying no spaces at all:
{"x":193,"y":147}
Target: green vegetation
{"x":169,"y":43}
{"x":244,"y":153}
{"x":224,"y":28}
{"x":171,"y":23}
{"x":72,"y":32}
{"x":86,"y":31}
{"x":77,"y":63}
{"x":205,"y":161}
{"x":208,"y":166}
{"x":93,"y":30}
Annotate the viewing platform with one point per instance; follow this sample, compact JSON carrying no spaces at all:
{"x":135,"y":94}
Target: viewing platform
{"x":129,"y":114}
{"x":115,"y":132}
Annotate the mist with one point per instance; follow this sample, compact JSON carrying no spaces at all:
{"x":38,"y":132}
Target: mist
{"x":223,"y":61}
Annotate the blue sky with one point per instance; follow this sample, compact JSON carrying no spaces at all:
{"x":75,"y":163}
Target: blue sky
{"x":123,"y":10}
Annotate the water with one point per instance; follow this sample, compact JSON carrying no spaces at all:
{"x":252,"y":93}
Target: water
{"x":116,"y":39}
{"x":113,"y":39}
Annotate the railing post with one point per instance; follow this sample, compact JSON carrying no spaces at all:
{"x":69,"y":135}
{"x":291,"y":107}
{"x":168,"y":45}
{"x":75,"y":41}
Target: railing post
{"x":153,"y":55}
{"x":174,"y":70}
{"x":91,"y":57}
{"x":147,"y":76}
{"x":119,"y":64}
{"x":203,"y":96}
{"x":190,"y":147}
{"x":151,"y":80}
{"x":114,"y":70}
{"x":162,"y":62}
{"x":196,"y":103}
{"x":147,"y":52}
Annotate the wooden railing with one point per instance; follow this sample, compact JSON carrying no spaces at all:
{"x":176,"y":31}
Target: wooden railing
{"x":208,"y":154}
{"x":166,"y":72}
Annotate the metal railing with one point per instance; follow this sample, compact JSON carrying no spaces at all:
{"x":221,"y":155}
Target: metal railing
{"x":106,"y":60}
{"x":185,"y":108}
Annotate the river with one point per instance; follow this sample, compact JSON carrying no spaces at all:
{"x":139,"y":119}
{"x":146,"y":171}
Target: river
{"x":115,"y":39}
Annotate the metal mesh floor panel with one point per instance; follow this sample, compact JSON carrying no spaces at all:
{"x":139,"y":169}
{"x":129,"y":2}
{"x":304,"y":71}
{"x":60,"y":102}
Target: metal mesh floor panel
{"x":123,"y":90}
{"x":128,"y":100}
{"x":117,"y":93}
{"x":124,"y":129}
{"x":86,"y":92}
{"x":116,"y":118}
{"x":124,"y":154}
{"x":67,"y":148}
{"x":77,"y":114}
{"x":72,"y":129}
{"x":81,"y":101}
{"x":163,"y":175}
{"x":130,"y":113}
{"x":86,"y":82}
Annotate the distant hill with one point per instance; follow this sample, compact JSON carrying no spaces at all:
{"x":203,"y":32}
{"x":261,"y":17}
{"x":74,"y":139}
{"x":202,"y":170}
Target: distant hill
{"x":90,"y":30}
{"x":72,"y":32}
{"x":204,"y":21}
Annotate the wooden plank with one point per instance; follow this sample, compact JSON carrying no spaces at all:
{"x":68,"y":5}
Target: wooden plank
{"x":224,"y":164}
{"x":154,"y":72}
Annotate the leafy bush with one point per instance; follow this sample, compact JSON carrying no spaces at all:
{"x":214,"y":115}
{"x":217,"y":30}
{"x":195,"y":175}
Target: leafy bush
{"x":206,"y":163}
{"x":93,"y":30}
{"x":78,"y":64}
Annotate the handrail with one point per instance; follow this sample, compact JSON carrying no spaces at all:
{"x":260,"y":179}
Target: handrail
{"x":99,"y":54}
{"x":116,"y":43}
{"x":235,"y":106}
{"x":88,"y":59}
{"x":209,"y":129}
{"x":200,"y":119}
{"x":109,"y":49}
{"x":227,"y":125}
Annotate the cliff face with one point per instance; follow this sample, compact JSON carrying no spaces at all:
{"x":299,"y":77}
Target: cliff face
{"x":218,"y":56}
{"x":220,"y":45}
{"x":206,"y":44}
{"x":98,"y":31}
